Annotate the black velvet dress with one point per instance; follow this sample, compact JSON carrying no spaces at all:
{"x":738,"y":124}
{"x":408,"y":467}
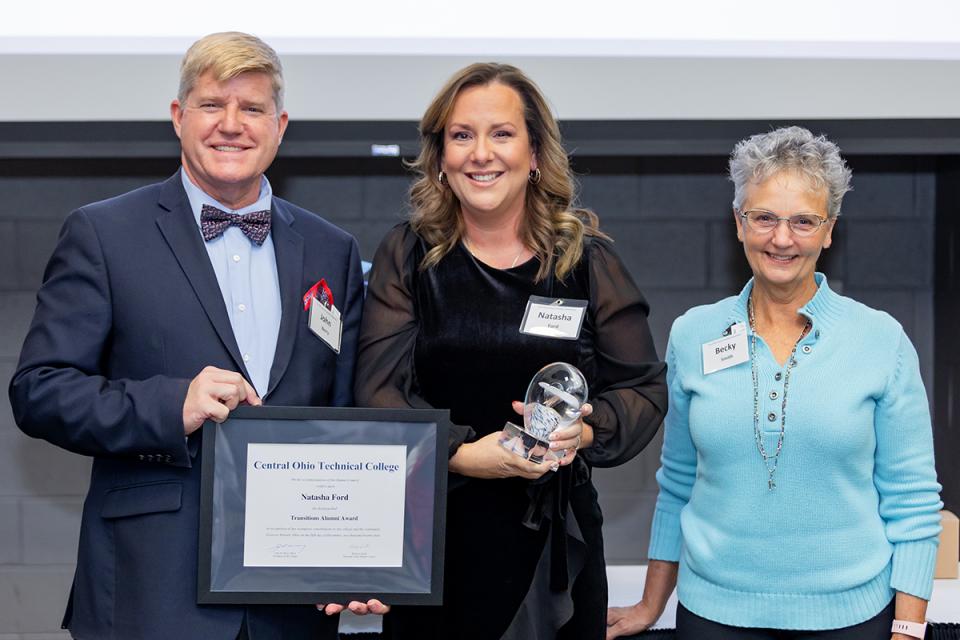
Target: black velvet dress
{"x":524,"y":559}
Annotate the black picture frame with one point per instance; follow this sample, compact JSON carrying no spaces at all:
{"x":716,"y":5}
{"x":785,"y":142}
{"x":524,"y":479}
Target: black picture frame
{"x":222,"y":577}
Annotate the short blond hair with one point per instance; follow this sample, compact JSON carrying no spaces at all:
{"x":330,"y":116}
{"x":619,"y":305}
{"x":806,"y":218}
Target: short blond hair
{"x":227,"y":55}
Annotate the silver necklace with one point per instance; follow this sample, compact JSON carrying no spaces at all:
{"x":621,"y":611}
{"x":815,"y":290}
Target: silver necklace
{"x":474,"y":253}
{"x":758,"y":435}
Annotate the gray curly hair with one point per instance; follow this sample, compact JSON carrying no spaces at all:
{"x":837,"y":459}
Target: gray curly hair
{"x":795,"y":149}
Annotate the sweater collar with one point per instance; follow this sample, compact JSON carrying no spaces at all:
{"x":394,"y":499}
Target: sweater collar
{"x":824,"y":309}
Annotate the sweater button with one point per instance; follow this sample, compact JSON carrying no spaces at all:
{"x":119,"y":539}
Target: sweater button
{"x":778,"y":376}
{"x":773,"y":395}
{"x":771,"y":416}
{"x":806,"y":348}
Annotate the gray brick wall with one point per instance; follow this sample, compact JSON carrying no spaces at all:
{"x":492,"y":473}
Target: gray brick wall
{"x":671,"y":222}
{"x":41,"y":487}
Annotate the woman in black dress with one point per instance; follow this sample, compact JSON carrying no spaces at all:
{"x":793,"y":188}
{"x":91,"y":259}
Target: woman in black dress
{"x":493,"y":225}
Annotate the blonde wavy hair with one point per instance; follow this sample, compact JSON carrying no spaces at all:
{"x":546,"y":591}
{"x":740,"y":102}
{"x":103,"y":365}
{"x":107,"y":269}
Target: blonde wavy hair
{"x":551,"y":227}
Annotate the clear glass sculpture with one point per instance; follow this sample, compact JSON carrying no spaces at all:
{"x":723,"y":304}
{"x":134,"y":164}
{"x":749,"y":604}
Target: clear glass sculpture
{"x":554,"y":400}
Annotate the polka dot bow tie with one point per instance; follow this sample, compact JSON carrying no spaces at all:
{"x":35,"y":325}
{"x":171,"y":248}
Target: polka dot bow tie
{"x":255,"y":225}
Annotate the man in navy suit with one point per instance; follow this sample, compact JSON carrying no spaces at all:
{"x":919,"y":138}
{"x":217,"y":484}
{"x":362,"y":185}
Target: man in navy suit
{"x":170,"y":305}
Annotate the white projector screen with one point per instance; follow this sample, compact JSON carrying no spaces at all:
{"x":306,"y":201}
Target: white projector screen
{"x":595,"y":59}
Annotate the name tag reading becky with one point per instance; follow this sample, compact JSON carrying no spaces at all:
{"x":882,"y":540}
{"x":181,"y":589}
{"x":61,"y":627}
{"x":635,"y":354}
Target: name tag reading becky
{"x":326,"y":323}
{"x":727,"y":351}
{"x":553,"y":317}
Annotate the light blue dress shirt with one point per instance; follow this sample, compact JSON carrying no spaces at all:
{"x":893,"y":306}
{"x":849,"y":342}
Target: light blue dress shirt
{"x":247,"y":275}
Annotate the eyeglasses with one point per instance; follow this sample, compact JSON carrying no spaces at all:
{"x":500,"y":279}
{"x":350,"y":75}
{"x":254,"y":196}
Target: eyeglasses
{"x":802,"y":224}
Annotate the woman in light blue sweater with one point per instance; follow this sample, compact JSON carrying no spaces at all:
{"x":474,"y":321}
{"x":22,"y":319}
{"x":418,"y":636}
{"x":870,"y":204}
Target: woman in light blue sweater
{"x":798,"y":496}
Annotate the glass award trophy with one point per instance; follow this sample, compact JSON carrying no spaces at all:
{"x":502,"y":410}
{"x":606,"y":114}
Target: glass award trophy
{"x":554,"y":399}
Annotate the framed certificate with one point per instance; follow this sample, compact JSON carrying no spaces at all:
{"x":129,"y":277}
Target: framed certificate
{"x":305,"y":505}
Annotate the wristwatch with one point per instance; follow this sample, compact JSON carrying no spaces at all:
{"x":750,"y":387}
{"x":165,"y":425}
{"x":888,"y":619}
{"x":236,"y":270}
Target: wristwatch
{"x":912,"y":629}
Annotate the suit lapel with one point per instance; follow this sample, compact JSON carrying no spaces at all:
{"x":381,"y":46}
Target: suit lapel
{"x":288,"y":246}
{"x":179,"y":228}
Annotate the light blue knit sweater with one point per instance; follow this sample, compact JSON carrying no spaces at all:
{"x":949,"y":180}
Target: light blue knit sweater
{"x":854,"y":515}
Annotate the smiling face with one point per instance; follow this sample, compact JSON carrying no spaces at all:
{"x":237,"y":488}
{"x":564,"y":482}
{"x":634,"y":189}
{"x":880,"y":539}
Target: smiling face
{"x":780,"y":259}
{"x":487,"y":156}
{"x":229,"y":134}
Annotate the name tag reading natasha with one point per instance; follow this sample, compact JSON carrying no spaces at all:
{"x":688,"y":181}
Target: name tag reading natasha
{"x":559,"y":318}
{"x":728,"y":351}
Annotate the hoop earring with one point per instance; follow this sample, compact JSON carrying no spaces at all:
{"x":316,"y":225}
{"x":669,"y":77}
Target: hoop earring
{"x":441,"y":177}
{"x":535,"y":176}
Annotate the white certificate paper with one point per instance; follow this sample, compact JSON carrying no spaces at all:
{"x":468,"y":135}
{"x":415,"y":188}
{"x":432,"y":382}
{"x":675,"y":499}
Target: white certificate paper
{"x":324,"y":505}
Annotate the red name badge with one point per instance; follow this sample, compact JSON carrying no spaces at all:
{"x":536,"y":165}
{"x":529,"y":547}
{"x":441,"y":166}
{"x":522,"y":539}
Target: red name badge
{"x":324,"y":318}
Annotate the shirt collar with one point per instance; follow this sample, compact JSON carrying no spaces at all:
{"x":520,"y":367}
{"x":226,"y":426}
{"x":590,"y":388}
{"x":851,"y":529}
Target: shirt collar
{"x":198,"y":197}
{"x":823,"y":309}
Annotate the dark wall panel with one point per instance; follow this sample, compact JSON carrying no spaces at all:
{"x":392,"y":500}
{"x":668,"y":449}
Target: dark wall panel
{"x":669,"y":215}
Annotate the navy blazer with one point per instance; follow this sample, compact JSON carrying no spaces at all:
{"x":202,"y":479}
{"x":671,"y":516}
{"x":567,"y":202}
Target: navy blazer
{"x":128,"y":314}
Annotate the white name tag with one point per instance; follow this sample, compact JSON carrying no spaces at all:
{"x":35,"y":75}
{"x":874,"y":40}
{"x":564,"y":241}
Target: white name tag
{"x":553,"y":317}
{"x":326,"y":324}
{"x":728,"y":351}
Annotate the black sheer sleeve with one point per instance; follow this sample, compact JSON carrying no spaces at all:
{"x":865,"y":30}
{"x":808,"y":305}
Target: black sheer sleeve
{"x":385,"y":370}
{"x":631,"y":396}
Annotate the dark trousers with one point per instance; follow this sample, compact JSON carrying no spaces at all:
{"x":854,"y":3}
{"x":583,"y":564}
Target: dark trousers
{"x":690,"y":626}
{"x":296,"y":626}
